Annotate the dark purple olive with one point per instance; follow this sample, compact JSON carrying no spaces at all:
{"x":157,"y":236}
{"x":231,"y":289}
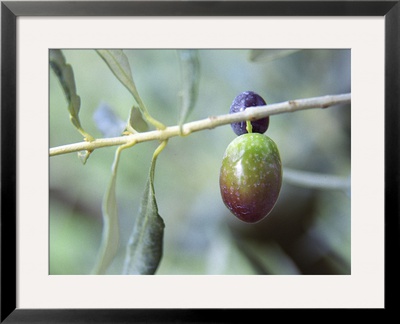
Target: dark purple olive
{"x":243,"y":101}
{"x":251,"y":177}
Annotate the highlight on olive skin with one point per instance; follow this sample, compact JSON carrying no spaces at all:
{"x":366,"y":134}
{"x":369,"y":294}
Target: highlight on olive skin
{"x":243,"y":101}
{"x":251,"y":177}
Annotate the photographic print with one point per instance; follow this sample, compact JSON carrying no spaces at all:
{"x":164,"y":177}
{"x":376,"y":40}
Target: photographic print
{"x":200,"y":161}
{"x":156,"y":152}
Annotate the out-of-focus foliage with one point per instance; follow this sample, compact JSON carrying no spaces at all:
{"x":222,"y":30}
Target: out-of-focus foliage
{"x":190,"y":68}
{"x":308,"y":231}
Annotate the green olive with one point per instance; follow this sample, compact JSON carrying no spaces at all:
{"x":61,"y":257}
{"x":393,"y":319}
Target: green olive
{"x":251,"y":176}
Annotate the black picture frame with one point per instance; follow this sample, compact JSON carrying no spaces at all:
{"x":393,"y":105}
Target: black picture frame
{"x":11,"y":10}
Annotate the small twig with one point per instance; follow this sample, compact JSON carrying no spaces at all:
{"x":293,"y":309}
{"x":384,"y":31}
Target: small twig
{"x":208,"y":123}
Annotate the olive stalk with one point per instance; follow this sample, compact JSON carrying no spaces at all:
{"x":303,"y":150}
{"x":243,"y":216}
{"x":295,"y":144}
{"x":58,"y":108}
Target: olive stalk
{"x":207,"y":123}
{"x":249,"y":128}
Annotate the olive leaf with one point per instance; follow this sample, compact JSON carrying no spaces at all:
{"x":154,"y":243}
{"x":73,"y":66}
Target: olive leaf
{"x":118,"y":63}
{"x":145,"y":246}
{"x":190,"y":70}
{"x":66,"y":78}
{"x":136,"y":123}
{"x":110,"y":237}
{"x":267,"y":55}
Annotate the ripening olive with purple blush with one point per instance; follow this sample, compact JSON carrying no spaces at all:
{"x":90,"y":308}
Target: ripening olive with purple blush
{"x":251,"y":177}
{"x":243,"y":101}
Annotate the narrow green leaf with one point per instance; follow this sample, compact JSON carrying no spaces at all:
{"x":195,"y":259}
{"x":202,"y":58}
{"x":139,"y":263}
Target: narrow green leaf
{"x":136,"y":123}
{"x":65,"y":75}
{"x":118,"y":63}
{"x":145,"y":246}
{"x":190,"y":70}
{"x":267,"y":55}
{"x":110,"y":237}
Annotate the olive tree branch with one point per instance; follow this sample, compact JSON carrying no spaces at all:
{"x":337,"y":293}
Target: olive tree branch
{"x":207,"y":123}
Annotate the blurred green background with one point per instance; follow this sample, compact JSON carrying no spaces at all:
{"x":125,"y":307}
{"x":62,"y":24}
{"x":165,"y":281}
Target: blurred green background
{"x":308,"y":231}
